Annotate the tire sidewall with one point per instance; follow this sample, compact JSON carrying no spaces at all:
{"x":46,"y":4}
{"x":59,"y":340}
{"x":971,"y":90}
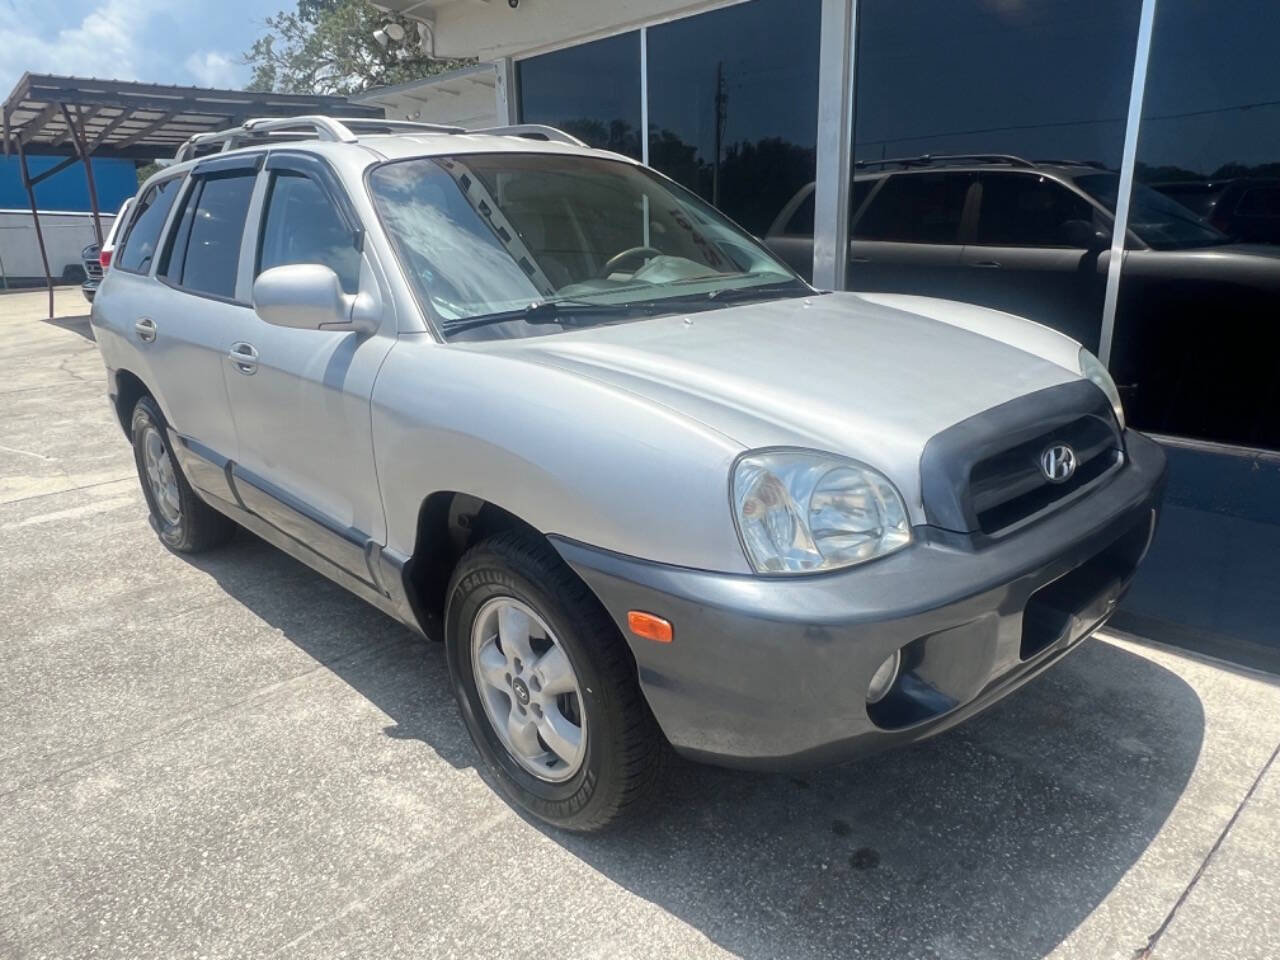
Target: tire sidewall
{"x":488,"y":577}
{"x":147,"y":414}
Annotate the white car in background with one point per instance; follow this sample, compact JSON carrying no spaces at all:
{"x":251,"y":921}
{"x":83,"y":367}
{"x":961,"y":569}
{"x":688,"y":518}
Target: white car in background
{"x":98,"y":259}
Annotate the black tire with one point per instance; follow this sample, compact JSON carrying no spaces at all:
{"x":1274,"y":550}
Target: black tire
{"x":625,"y":753}
{"x":198,"y":526}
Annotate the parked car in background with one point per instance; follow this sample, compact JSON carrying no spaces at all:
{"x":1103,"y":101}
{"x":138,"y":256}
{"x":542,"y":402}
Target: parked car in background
{"x":1033,"y":239}
{"x":648,"y":486}
{"x":98,"y":259}
{"x":65,"y":235}
{"x":1245,"y":209}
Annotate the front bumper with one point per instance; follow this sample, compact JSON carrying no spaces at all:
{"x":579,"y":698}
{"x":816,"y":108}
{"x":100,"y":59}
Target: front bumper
{"x":772,"y":673}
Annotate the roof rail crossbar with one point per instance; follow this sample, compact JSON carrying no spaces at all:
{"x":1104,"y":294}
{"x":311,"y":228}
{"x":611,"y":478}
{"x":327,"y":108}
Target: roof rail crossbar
{"x":927,"y":158}
{"x":1096,"y":164}
{"x":532,"y":131}
{"x":324,"y":128}
{"x":373,"y":123}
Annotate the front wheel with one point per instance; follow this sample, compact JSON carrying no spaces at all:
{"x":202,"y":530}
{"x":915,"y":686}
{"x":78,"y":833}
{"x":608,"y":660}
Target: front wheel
{"x":547,"y":688}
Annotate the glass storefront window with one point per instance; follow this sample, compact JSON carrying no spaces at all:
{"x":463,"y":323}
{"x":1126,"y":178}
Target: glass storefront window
{"x":1196,"y":348}
{"x":733,"y":107}
{"x":976,"y":125}
{"x":591,"y":90}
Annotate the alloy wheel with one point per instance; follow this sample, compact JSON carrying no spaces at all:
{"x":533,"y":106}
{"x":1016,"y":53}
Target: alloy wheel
{"x":529,"y":689}
{"x":161,"y":476}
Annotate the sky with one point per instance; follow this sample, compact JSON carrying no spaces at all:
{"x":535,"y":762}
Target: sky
{"x":196,"y":42}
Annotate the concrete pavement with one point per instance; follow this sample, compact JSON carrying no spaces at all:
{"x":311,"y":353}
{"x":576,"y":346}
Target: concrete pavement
{"x":231,"y":757}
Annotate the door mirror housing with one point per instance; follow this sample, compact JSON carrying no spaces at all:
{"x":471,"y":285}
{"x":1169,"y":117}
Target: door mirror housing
{"x":1083,"y":234}
{"x":309,"y":296}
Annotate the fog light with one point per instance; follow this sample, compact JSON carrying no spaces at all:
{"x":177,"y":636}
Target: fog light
{"x":882,"y":679}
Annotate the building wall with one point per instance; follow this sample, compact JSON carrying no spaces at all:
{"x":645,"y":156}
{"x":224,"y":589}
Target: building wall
{"x":464,"y":98}
{"x":116,"y":180}
{"x":496,"y":29}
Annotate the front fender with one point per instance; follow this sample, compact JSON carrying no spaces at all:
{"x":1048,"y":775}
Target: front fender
{"x":568,"y":455}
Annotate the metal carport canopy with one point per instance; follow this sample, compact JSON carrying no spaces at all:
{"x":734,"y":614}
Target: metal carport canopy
{"x":81,"y":117}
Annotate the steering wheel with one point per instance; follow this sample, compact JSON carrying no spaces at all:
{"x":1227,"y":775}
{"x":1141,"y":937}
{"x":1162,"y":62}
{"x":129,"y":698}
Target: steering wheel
{"x":615,"y":262}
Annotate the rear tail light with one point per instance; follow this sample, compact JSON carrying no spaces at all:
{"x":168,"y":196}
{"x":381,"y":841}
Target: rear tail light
{"x":104,"y":259}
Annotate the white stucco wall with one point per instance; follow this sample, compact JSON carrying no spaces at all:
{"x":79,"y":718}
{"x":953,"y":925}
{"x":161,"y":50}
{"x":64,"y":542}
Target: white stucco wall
{"x":488,"y":29}
{"x":465,"y":98}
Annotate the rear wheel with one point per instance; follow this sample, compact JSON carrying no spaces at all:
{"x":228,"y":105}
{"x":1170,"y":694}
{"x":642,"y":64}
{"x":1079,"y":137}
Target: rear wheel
{"x":184,"y":522}
{"x":547,"y":688}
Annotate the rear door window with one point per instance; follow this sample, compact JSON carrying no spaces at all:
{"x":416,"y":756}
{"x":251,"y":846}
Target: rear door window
{"x":205,"y":251}
{"x":1028,"y":210}
{"x":916,"y":208}
{"x":137,"y":246}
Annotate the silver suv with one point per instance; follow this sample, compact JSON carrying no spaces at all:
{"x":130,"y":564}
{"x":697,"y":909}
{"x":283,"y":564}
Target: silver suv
{"x":650,"y":488}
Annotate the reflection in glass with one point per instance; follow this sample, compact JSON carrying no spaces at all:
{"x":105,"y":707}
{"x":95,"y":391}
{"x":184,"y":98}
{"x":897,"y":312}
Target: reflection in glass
{"x":1197,"y":345}
{"x":733,"y":105}
{"x":591,"y":90}
{"x":976,"y":125}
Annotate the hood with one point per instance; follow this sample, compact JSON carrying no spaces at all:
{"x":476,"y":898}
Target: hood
{"x":1265,"y":251}
{"x":836,"y":372}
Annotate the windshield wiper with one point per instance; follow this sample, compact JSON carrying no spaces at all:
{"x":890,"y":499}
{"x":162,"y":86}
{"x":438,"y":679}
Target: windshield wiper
{"x":757,"y":291}
{"x":565,"y":312}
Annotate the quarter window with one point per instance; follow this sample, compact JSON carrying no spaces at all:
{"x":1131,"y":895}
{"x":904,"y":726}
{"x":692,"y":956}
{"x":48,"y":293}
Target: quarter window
{"x":205,"y":252}
{"x":801,"y":223}
{"x":137,"y":247}
{"x":303,"y":226}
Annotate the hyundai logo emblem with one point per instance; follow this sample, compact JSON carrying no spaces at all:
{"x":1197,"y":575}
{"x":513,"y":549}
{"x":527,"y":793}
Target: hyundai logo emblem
{"x":522,"y":691}
{"x":1058,"y":463}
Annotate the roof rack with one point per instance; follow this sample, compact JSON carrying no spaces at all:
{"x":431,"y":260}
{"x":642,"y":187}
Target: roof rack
{"x":344,"y":131}
{"x":1096,"y":164}
{"x":927,"y":159}
{"x":531,"y":131}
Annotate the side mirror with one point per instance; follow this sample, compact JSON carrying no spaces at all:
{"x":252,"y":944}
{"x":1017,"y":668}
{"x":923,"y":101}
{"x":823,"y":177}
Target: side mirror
{"x":309,"y":296}
{"x":1082,"y":234}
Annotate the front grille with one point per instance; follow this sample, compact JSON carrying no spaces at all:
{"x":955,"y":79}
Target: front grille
{"x":93,"y":269}
{"x":1010,"y":486}
{"x":982,"y":476}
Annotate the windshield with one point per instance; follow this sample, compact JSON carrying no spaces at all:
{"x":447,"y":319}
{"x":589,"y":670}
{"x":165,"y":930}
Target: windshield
{"x":1160,"y":222}
{"x":516,"y":244}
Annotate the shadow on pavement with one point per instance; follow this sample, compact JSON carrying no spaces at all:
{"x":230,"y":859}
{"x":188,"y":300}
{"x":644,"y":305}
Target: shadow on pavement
{"x":995,"y":840}
{"x":78,"y":324}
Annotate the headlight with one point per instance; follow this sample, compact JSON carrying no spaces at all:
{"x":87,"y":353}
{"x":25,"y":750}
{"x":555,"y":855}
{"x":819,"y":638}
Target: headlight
{"x":1091,"y":368}
{"x":799,"y":512}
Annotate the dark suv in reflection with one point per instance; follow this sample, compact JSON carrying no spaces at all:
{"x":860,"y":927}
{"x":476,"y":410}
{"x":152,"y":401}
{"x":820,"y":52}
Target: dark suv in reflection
{"x":1034,"y":238}
{"x":1244,"y":208}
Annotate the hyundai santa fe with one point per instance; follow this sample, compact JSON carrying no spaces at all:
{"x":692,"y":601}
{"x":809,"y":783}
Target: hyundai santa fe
{"x":652,"y":490}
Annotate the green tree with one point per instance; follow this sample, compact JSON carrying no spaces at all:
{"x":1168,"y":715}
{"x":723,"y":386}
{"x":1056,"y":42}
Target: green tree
{"x":327,"y":46}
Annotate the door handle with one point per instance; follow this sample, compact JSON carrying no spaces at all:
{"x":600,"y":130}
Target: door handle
{"x":986,"y":264}
{"x":245,"y":357}
{"x":859,"y":259}
{"x":145,"y":328}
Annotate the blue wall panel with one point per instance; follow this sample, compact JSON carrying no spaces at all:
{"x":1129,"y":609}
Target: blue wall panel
{"x":117,"y":181}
